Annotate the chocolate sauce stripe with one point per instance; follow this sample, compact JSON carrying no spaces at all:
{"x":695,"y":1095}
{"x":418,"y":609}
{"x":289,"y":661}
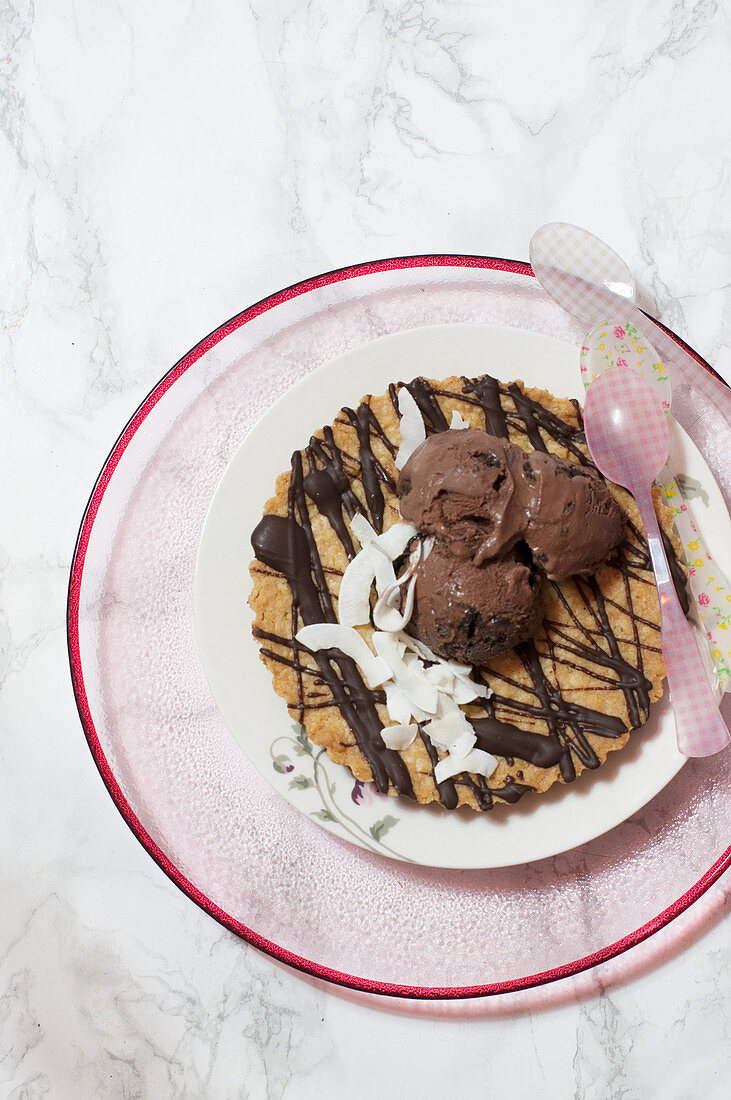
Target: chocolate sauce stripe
{"x":551,"y":624}
{"x":512,"y":419}
{"x":303,"y":701}
{"x":423,"y":394}
{"x":581,"y":627}
{"x":372,"y":472}
{"x":273,"y":573}
{"x":642,"y":580}
{"x":611,"y":685}
{"x":318,"y":706}
{"x":290,"y":663}
{"x":267,"y":636}
{"x":639,"y":552}
{"x":567,"y":640}
{"x":617,"y":685}
{"x":635,"y":618}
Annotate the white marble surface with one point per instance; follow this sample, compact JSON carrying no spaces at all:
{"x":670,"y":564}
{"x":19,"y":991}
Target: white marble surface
{"x":164,"y":164}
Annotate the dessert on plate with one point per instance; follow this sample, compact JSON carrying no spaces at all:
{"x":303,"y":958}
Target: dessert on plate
{"x":452,"y":600}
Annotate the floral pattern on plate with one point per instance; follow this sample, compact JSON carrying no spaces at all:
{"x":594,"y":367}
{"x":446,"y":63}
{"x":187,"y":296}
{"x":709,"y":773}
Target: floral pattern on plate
{"x":316,"y":773}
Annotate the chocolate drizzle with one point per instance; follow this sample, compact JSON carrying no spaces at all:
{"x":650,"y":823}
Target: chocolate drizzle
{"x":425,"y":397}
{"x":568,"y":722}
{"x":327,"y":493}
{"x":286,"y":545}
{"x":505,"y":739}
{"x":485,"y":795}
{"x":529,"y":417}
{"x":487,"y":392}
{"x":372,"y":473}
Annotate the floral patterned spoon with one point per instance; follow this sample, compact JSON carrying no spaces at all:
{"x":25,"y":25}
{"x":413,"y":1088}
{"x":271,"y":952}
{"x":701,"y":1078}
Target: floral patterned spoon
{"x":618,"y":343}
{"x":627,"y":434}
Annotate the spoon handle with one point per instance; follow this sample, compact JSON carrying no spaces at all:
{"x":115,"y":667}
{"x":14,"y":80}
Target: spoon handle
{"x":700,"y":729}
{"x":674,"y":354}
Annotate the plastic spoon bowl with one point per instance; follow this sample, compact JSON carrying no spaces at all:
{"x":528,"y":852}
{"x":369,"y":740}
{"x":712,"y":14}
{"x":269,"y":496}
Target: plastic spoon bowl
{"x":583,"y":274}
{"x":627,"y":434}
{"x":589,"y":280}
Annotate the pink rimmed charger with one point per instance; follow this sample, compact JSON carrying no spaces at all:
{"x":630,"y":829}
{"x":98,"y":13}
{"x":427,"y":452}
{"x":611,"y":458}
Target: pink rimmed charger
{"x":188,"y":792}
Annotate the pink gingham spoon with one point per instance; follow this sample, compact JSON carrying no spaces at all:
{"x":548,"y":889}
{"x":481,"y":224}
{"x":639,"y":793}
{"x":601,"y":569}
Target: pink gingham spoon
{"x":589,"y":280}
{"x":627,"y":434}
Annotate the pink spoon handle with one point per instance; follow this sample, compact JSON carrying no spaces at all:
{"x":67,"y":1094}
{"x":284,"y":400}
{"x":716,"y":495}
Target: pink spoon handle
{"x":701,"y":731}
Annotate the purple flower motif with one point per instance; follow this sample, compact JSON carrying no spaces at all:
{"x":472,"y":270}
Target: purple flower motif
{"x":619,"y":332}
{"x":282,"y":764}
{"x":357,"y":792}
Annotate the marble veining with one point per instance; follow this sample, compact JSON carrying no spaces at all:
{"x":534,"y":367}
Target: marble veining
{"x":163,"y":166}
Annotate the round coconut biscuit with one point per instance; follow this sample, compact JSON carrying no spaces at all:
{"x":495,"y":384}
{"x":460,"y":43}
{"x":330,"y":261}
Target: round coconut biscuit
{"x":565,"y":701}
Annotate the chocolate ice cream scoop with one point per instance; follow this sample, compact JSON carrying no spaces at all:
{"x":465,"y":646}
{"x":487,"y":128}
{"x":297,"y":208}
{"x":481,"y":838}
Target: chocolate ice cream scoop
{"x":481,"y":495}
{"x":498,"y":513}
{"x":470,"y":613}
{"x":573,"y":519}
{"x":465,"y":487}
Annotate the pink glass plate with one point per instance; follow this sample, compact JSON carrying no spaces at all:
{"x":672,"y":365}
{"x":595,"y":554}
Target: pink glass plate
{"x":188,"y":792}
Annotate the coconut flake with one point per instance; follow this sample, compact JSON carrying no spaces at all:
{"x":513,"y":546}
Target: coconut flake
{"x":464,"y":744}
{"x":399,"y":737}
{"x":336,"y":636}
{"x":446,"y":730}
{"x":423,"y":650}
{"x":457,"y":421}
{"x":476,"y":762}
{"x":386,"y":615}
{"x":354,"y":603}
{"x":458,"y":669}
{"x":441,"y":677}
{"x":385,"y":575}
{"x":446,"y":706}
{"x":362,"y":529}
{"x":397,"y":705}
{"x":412,"y":682}
{"x":389,"y":618}
{"x":354,"y":597}
{"x":465,"y":690}
{"x":373,"y":562}
{"x":393,"y":542}
{"x":413,"y":431}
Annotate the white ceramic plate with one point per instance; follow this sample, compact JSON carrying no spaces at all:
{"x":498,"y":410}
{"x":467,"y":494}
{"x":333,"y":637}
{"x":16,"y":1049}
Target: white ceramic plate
{"x":536,"y":827}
